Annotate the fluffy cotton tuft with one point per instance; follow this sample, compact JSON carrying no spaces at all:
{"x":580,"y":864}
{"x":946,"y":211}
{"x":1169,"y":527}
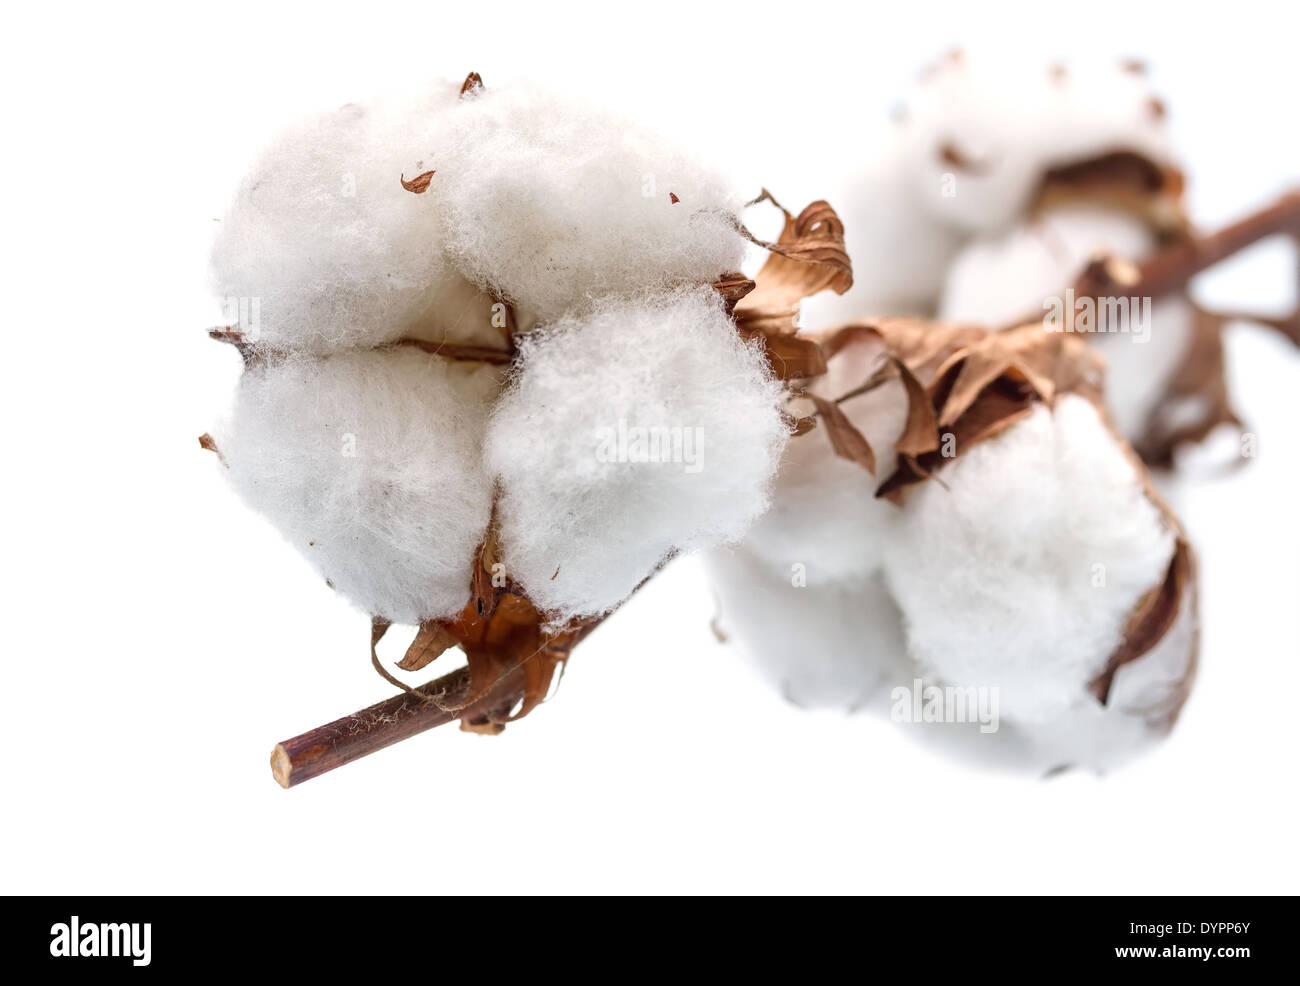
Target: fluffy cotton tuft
{"x":370,"y":465}
{"x":323,"y":249}
{"x":824,"y":514}
{"x":1021,"y":570}
{"x":553,"y":203}
{"x":835,"y":645}
{"x":583,"y":518}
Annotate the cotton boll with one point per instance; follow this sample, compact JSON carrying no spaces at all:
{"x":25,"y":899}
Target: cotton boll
{"x":326,"y":250}
{"x":967,"y":159}
{"x":583,"y":516}
{"x":832,"y":645}
{"x":1022,"y":569}
{"x":369,"y":463}
{"x":553,"y":203}
{"x":981,"y":134}
{"x":824,"y":514}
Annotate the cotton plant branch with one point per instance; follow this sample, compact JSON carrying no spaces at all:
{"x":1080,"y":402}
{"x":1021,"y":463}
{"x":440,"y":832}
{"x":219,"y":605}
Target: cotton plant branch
{"x":512,"y":650}
{"x":1170,"y":269}
{"x":1201,"y":375}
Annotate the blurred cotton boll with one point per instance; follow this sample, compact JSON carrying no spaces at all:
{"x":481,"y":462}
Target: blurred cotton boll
{"x":1022,"y":569}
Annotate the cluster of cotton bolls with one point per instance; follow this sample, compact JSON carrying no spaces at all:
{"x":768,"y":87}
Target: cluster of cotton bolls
{"x":995,"y":187}
{"x":464,"y":303}
{"x":1020,"y":565}
{"x":1017,"y":568}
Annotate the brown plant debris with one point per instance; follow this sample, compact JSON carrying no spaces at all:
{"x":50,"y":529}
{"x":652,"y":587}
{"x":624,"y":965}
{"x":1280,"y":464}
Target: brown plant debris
{"x":808,"y":257}
{"x":846,"y":440}
{"x":1151,"y":619}
{"x":419,"y":184}
{"x":206,"y":441}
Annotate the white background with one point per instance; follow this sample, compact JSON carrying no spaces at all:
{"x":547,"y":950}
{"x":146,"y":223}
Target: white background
{"x":160,"y":638}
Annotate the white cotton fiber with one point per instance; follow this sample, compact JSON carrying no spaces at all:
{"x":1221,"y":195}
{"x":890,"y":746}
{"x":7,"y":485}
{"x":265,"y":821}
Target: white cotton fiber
{"x":835,"y":645}
{"x":824,"y":514}
{"x":583,"y":517}
{"x":326,"y":250}
{"x":554,"y":203}
{"x":370,"y":464}
{"x":1022,"y":568}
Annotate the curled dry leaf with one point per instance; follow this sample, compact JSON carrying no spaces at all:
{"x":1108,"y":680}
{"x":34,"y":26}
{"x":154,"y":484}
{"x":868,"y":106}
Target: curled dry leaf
{"x":846,"y":440}
{"x":966,"y":385}
{"x":808,"y":257}
{"x":419,"y":184}
{"x":430,"y":642}
{"x":790,"y":357}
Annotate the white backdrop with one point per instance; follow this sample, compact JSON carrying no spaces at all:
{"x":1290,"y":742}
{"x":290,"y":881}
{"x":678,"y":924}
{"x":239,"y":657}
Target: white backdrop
{"x":161,"y":638}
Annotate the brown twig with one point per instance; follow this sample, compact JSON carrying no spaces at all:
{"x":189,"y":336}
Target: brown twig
{"x":322,"y":749}
{"x":1171,"y":268}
